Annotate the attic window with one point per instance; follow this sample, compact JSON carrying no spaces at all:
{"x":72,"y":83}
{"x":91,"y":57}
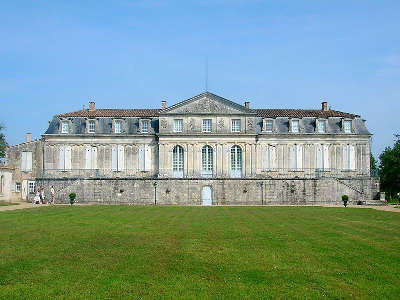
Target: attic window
{"x":145,"y":126}
{"x":295,"y":126}
{"x":321,"y":126}
{"x":64,"y":127}
{"x":347,"y":126}
{"x":118,"y":126}
{"x":269,"y":125}
{"x":92,"y":126}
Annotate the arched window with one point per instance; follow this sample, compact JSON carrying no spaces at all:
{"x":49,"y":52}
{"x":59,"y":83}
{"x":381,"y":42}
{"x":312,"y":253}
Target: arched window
{"x":236,"y":162}
{"x":207,"y":161}
{"x":177,"y":162}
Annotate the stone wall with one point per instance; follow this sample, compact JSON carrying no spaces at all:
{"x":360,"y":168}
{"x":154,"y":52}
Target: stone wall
{"x":225,"y":191}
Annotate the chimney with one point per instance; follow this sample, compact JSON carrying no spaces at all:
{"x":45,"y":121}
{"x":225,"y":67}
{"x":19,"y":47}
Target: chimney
{"x":163,"y":104}
{"x":29,"y":137}
{"x":247,"y":104}
{"x":92,"y":106}
{"x":325,"y":106}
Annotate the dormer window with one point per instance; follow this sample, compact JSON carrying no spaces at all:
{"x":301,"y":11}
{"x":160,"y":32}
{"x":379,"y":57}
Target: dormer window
{"x":269,"y":125}
{"x":207,"y":125}
{"x":64,"y":127}
{"x":92,"y":126}
{"x":178,"y":125}
{"x":118,"y":126}
{"x":236,"y":125}
{"x":145,"y":126}
{"x":321,"y":126}
{"x":295,"y":126}
{"x":347,"y":126}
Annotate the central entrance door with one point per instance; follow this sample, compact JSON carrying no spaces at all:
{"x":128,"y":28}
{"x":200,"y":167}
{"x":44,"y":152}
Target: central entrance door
{"x":206,"y":195}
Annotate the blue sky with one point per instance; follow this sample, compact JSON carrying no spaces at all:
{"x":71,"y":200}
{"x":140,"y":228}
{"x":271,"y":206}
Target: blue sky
{"x":55,"y":56}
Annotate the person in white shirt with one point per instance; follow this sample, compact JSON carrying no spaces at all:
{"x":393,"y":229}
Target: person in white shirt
{"x":52,"y":192}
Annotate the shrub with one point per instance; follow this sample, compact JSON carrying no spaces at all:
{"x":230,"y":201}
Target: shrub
{"x":72,"y":197}
{"x":345,"y":199}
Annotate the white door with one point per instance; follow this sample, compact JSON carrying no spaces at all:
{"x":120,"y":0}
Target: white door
{"x":206,"y":195}
{"x":24,"y":189}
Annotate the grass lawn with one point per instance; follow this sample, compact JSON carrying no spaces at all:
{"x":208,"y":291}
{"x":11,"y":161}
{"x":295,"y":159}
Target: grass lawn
{"x":119,"y":252}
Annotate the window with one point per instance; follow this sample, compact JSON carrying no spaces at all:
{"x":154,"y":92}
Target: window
{"x":64,"y":159}
{"x":177,"y":162}
{"x":145,"y":158}
{"x":207,"y":125}
{"x":178,"y":125}
{"x":321,"y":126}
{"x":31,"y":187}
{"x":18,"y":187}
{"x":349,"y":162}
{"x":118,"y":126}
{"x":207,"y":161}
{"x":64,"y":127}
{"x":145,"y":126}
{"x":270,"y":158}
{"x":117,"y":158}
{"x":322,"y":157}
{"x":91,"y":158}
{"x":26,"y":161}
{"x":236,"y":162}
{"x":236,"y":126}
{"x":347,"y":126}
{"x":92,"y":126}
{"x":268,"y":125}
{"x":1,"y":184}
{"x":296,"y":157}
{"x":295,"y":126}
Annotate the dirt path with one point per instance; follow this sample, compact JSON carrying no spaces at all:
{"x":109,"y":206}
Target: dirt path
{"x":18,"y":206}
{"x":29,"y":205}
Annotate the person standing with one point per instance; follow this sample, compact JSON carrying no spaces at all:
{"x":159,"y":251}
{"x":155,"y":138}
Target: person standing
{"x":36,"y":199}
{"x":52,"y":192}
{"x":42,"y":194}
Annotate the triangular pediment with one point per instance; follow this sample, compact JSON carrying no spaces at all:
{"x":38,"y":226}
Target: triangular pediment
{"x":207,"y":103}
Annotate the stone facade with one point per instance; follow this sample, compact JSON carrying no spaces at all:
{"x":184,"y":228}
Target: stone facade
{"x":203,"y":147}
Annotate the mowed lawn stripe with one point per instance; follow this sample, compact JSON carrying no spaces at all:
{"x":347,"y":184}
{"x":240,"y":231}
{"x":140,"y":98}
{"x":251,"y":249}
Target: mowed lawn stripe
{"x":112,"y":252}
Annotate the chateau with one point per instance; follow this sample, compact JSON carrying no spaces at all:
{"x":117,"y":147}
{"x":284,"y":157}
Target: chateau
{"x":205,"y":150}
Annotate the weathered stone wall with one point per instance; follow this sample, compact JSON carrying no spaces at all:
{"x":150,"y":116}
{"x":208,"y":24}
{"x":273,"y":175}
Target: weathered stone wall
{"x":225,"y":191}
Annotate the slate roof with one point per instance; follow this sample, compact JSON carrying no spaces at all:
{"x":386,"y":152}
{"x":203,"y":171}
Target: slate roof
{"x":264,"y":113}
{"x":116,"y":113}
{"x":301,"y":113}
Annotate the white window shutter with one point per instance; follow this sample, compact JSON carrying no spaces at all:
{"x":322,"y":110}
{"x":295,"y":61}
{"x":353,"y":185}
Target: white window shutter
{"x":345,"y":157}
{"x":319,"y":156}
{"x":352,"y":157}
{"x":141,"y":158}
{"x":29,"y":161}
{"x":94,"y":157}
{"x":147,"y":156}
{"x":114,"y":158}
{"x":68,"y":158}
{"x":61,"y":158}
{"x":121,"y":157}
{"x":23,"y":161}
{"x":292,"y":157}
{"x":326,"y":156}
{"x":299,"y":157}
{"x":267,"y":158}
{"x":88,"y":157}
{"x":272,"y":157}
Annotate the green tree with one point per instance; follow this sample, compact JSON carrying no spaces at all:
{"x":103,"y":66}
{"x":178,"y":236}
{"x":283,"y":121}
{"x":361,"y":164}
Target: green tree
{"x":373,"y":166}
{"x":389,"y":168}
{"x":3,"y":143}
